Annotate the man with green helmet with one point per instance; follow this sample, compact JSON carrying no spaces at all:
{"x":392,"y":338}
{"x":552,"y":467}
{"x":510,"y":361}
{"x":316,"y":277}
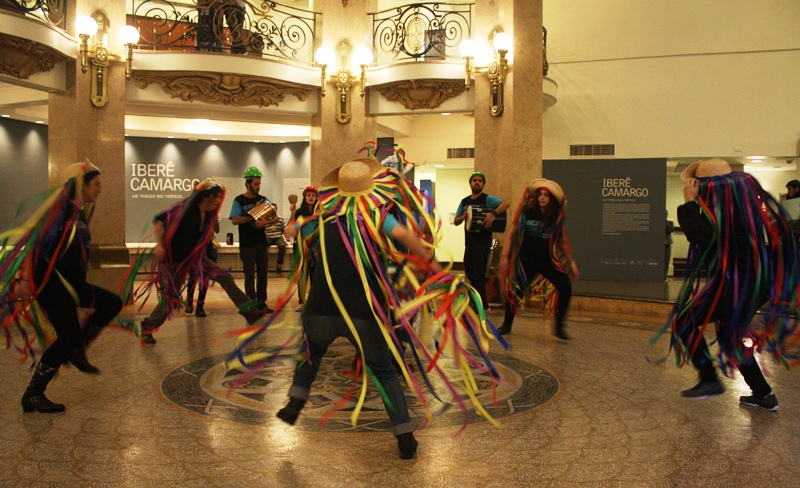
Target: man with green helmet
{"x":478,"y":241}
{"x":252,"y":238}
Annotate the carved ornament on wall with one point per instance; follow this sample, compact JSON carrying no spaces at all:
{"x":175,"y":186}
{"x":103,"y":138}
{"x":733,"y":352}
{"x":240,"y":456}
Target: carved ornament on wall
{"x":21,"y":58}
{"x":221,"y":88}
{"x":421,"y":94}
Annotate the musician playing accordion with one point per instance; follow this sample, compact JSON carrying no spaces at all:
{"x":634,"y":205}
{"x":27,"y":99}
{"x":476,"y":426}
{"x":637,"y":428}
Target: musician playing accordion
{"x":251,"y":212}
{"x":482,"y":211}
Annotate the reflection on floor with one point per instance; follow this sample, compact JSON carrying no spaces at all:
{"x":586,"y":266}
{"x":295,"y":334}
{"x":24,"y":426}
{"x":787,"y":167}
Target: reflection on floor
{"x":589,"y":412}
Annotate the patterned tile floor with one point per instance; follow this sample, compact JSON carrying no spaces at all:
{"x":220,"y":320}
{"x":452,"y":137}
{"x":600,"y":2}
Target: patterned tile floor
{"x":615,"y":420}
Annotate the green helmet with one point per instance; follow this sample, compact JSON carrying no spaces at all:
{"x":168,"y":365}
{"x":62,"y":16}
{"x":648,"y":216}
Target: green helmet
{"x":252,"y":172}
{"x":478,"y":173}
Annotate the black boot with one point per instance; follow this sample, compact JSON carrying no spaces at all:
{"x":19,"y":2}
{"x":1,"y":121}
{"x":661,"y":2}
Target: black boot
{"x":407,"y":445}
{"x":291,"y":411}
{"x":200,"y":312}
{"x":561,"y":333}
{"x":78,"y":359}
{"x":34,"y":398}
{"x":504,"y":329}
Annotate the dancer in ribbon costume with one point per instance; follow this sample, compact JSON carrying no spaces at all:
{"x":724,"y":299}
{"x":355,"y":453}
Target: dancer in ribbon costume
{"x":182,"y":234}
{"x":535,"y":251}
{"x":372,"y":219}
{"x":739,"y":231}
{"x":45,"y":271}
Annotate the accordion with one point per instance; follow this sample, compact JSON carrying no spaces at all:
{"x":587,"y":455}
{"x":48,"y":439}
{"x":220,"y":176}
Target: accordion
{"x":477,"y":215}
{"x":262,"y":210}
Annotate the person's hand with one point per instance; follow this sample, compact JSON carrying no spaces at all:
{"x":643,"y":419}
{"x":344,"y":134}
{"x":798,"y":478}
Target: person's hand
{"x":293,"y":207}
{"x":573,"y":271}
{"x":159,"y":252}
{"x":690,"y":189}
{"x":487,"y":223}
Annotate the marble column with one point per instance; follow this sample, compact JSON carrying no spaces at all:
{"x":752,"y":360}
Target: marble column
{"x":508,"y":148}
{"x":333,"y":143}
{"x":78,"y":130}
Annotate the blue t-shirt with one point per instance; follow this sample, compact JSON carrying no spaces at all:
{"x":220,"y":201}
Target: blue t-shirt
{"x":249,"y":236}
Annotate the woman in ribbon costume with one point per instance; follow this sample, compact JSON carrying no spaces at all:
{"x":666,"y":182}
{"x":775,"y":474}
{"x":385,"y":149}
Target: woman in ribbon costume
{"x":373,"y":219}
{"x":536,"y":249}
{"x":47,"y":269}
{"x":739,"y":231}
{"x":182,"y":234}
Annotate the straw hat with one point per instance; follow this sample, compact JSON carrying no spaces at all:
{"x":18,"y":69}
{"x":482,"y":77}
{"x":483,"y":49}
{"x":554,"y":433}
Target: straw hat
{"x":706,"y":169}
{"x":549,"y":185}
{"x":86,"y":168}
{"x":354,"y":178}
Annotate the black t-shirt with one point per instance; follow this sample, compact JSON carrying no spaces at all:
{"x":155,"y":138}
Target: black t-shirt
{"x":250,"y":236}
{"x":188,"y":235}
{"x":535,"y":237}
{"x":484,"y":236}
{"x":345,"y":278}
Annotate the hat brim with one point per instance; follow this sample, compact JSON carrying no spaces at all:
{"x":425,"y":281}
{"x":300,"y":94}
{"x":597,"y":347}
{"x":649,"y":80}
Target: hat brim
{"x":706,"y":168}
{"x":332,"y":178}
{"x":551,"y":186}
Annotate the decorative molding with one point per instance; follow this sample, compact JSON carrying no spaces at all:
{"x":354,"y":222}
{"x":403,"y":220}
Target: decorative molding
{"x":221,"y":88}
{"x":421,"y":94}
{"x":21,"y":58}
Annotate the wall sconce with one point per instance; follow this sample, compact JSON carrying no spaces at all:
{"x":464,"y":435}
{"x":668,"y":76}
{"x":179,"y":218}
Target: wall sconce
{"x":497,"y":71}
{"x":468,"y":48}
{"x":362,"y":58}
{"x":96,"y":29}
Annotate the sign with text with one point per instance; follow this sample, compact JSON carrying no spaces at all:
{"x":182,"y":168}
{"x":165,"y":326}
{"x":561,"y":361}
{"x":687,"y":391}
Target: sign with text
{"x":615,"y":215}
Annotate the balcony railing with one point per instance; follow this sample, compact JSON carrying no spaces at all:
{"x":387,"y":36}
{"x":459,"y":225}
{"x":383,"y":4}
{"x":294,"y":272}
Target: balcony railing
{"x":49,"y":11}
{"x":240,"y":27}
{"x":420,"y":31}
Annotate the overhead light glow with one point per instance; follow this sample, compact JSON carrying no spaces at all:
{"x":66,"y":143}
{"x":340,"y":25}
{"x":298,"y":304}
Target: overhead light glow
{"x":40,"y":121}
{"x":439,"y":165}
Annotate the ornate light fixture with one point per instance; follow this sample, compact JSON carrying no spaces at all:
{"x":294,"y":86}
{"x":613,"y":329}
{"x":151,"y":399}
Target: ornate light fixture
{"x":95,"y":27}
{"x":362,"y":58}
{"x":496,"y":69}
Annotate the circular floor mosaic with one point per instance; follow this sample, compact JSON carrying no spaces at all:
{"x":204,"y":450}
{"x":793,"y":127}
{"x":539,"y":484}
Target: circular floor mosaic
{"x":203,"y":386}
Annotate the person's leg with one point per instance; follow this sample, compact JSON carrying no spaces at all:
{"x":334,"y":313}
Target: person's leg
{"x":475,"y":259}
{"x":62,"y":312}
{"x":190,"y":286}
{"x":379,"y":361}
{"x":281,"y":243}
{"x":563,"y":286}
{"x":248,"y":255}
{"x":709,"y":384}
{"x":262,"y":262}
{"x":762,"y":392}
{"x":320,"y":332}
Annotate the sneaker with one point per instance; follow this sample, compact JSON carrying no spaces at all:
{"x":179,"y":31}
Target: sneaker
{"x":769,"y":402}
{"x":200,"y":312}
{"x":188,"y":309}
{"x":407,"y":445}
{"x":504,"y":329}
{"x":148,"y":339}
{"x":704,"y":390}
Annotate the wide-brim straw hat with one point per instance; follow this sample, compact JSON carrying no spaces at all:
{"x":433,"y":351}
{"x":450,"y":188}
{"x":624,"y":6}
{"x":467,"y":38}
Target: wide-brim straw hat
{"x":354,"y":178}
{"x":85,"y":168}
{"x":549,"y":185}
{"x":706,"y":169}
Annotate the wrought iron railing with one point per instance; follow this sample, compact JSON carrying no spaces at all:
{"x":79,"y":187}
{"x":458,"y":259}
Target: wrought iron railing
{"x":264,"y":28}
{"x":50,"y":11}
{"x":420,"y":30}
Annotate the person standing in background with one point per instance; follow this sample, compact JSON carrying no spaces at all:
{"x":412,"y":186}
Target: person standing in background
{"x":211,"y":253}
{"x":252,"y":239}
{"x":275,"y":237}
{"x":670,"y":229}
{"x":309,"y":207}
{"x":478,"y":242}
